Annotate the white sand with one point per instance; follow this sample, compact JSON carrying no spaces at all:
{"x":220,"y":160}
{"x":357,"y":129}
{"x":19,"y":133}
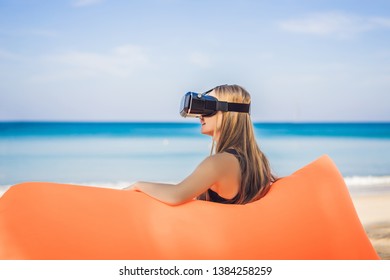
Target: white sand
{"x":372,"y":209}
{"x":374,"y":214}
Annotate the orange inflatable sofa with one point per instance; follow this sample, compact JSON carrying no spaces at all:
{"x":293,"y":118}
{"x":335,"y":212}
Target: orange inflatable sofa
{"x":307,"y":215}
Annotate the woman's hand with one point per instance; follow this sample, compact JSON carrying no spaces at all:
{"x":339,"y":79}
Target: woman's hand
{"x":212,"y":170}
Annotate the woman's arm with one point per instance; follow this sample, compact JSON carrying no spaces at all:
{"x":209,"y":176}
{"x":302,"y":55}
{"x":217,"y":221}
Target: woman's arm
{"x":208,"y":173}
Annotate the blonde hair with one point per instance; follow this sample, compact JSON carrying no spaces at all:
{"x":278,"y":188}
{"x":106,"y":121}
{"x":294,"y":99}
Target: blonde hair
{"x":236,"y":132}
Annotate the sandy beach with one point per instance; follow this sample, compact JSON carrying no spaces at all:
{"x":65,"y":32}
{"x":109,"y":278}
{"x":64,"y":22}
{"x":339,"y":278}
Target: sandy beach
{"x":374,"y":213}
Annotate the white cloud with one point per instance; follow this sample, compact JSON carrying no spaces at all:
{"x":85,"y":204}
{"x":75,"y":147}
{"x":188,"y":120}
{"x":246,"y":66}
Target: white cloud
{"x":83,"y":3}
{"x":334,"y":23}
{"x":119,"y":62}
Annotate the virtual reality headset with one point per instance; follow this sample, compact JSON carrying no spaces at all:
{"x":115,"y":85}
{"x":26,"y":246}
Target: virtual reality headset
{"x":198,"y":105}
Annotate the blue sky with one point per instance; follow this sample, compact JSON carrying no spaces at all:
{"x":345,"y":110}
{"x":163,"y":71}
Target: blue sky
{"x":91,"y":60}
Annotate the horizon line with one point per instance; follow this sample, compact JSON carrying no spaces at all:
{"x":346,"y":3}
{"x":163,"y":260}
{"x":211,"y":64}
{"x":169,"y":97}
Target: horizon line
{"x":183,"y":121}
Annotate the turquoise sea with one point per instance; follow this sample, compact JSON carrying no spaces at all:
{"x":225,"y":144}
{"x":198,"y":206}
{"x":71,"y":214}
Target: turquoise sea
{"x":117,"y":154}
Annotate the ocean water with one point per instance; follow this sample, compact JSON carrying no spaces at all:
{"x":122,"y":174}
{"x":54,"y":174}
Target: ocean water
{"x":117,"y":154}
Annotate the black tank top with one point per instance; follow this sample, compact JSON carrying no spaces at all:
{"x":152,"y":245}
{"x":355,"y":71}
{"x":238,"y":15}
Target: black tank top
{"x":214,"y":196}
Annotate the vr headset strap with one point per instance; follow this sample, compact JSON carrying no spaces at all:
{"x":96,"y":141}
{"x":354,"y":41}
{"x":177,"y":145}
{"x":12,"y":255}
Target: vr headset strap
{"x":239,"y":107}
{"x":232,"y":107}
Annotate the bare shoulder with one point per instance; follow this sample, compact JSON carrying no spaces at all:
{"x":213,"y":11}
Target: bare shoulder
{"x":222,"y":162}
{"x":226,"y":168}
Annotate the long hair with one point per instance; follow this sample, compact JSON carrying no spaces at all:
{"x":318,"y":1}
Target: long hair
{"x":236,"y":132}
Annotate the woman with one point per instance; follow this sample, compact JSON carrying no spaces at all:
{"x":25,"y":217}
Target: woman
{"x":237,"y":172}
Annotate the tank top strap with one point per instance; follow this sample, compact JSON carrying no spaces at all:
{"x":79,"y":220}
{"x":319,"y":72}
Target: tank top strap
{"x":215,"y":197}
{"x":232,"y":151}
